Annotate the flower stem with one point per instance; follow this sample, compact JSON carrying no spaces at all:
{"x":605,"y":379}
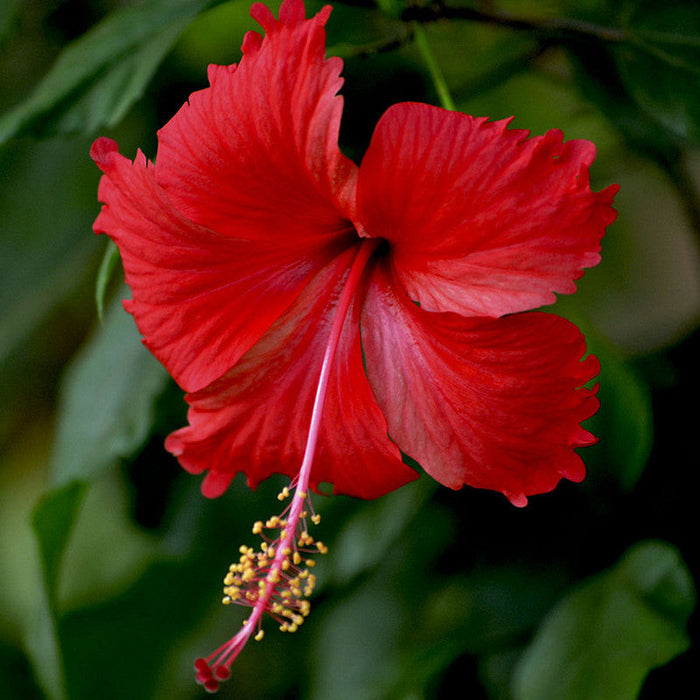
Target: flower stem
{"x":438,"y":78}
{"x":364,"y":253}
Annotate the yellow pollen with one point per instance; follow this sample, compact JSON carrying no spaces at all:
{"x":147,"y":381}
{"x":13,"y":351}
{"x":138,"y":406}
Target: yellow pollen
{"x":275,"y":576}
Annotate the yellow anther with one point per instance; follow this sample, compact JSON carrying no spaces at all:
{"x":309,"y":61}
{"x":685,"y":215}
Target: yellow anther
{"x":232,"y":593}
{"x":285,"y":564}
{"x":292,"y":627}
{"x":321,"y":548}
{"x":283,"y":494}
{"x":303,"y":574}
{"x":284,"y":627}
{"x":310,"y":563}
{"x":296,"y":558}
{"x":226,"y":600}
{"x":259,"y":635}
{"x":302,"y":494}
{"x":287,"y":551}
{"x":316,"y":519}
{"x":257,"y":527}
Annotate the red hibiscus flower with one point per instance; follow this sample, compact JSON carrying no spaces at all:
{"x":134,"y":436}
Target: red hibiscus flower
{"x":325,"y":318}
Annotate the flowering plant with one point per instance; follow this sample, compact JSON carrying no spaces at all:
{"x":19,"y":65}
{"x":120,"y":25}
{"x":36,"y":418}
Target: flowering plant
{"x":342,"y":319}
{"x":327,"y":319}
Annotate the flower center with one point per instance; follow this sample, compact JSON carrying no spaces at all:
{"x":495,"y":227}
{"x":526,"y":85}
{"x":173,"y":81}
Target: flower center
{"x":277,"y":579}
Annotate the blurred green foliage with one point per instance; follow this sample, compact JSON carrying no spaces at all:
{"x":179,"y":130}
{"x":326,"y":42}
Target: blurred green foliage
{"x":110,"y":560}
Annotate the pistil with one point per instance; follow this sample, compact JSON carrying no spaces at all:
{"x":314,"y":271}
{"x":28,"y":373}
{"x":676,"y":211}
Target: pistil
{"x":277,"y":579}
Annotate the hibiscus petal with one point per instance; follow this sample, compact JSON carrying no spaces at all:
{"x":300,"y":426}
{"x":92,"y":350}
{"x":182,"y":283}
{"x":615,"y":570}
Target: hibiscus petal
{"x":256,"y":418}
{"x":492,"y":403}
{"x":256,"y":155}
{"x":196,"y":293}
{"x":482,"y":220}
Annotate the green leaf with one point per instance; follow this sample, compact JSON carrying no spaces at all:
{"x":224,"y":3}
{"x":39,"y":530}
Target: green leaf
{"x":367,"y":535}
{"x":44,"y":650}
{"x":367,"y":626}
{"x":602,"y":639}
{"x":52,"y":520}
{"x":100,"y":75}
{"x":104,"y":275}
{"x":8,"y":10}
{"x":660,"y":65}
{"x":106,"y":406}
{"x":624,"y":422}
